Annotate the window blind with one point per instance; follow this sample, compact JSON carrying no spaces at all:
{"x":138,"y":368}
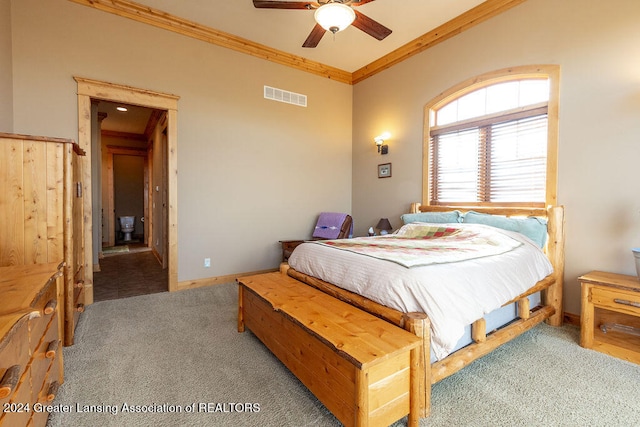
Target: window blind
{"x":498,"y":160}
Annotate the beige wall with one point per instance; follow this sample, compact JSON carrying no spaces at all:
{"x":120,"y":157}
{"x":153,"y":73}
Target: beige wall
{"x":250,"y":171}
{"x":238,"y":153}
{"x":596,"y":45}
{"x":6,"y":68}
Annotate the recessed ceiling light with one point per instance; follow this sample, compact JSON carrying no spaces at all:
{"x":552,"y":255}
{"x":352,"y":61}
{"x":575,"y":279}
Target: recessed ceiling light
{"x":121,"y":108}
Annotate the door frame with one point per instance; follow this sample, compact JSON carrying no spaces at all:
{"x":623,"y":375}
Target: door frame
{"x":94,"y":89}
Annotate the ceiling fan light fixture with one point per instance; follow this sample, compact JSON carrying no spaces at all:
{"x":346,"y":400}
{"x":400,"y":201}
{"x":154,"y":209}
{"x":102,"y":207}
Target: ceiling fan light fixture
{"x":334,"y":17}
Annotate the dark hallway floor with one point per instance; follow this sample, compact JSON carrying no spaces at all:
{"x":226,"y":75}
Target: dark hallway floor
{"x":125,"y":275}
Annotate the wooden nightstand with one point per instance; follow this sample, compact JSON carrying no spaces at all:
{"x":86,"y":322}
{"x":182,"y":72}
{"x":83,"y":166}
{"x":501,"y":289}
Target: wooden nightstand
{"x":610,"y":318}
{"x":287,"y":248}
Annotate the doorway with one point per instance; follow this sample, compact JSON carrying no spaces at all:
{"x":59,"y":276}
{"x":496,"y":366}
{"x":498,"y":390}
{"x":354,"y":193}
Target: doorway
{"x":93,"y":90}
{"x":125,"y":193}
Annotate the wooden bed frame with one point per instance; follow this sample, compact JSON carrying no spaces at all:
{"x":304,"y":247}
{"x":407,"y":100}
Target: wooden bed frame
{"x":483,"y":343}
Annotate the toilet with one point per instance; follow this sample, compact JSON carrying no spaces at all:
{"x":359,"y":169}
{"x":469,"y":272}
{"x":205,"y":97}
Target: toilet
{"x":127,"y":225}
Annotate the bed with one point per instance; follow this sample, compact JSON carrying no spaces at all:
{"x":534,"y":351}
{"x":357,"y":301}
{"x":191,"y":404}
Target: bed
{"x":537,"y":297}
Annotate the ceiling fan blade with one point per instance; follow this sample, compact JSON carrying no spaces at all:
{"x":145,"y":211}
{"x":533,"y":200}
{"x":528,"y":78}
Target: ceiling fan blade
{"x":371,"y":27}
{"x":360,"y":2}
{"x":314,"y":37}
{"x":264,"y":4}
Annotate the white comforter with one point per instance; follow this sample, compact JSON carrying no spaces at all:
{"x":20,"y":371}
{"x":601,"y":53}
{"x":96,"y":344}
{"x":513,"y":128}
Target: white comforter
{"x":453,"y":295}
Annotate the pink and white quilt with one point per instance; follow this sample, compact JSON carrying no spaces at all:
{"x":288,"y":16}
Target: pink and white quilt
{"x":421,"y":244}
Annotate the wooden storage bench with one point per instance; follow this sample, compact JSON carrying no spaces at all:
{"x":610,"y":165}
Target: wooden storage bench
{"x":363,"y":369}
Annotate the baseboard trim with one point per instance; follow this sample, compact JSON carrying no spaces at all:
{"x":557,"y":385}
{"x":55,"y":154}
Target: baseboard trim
{"x":572,"y":319}
{"x":218,"y":280}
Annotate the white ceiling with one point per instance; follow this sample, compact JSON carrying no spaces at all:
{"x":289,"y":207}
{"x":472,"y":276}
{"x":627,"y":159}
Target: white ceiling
{"x":286,"y":30}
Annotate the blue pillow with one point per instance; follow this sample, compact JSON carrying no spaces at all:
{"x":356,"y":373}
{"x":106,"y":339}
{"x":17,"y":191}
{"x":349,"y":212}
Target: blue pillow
{"x":533,"y":227}
{"x":432,"y":217}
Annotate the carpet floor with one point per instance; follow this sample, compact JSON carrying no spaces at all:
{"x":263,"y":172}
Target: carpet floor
{"x":176,"y":359}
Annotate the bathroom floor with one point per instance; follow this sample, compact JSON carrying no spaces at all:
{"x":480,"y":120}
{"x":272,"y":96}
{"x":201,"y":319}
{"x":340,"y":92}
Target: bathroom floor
{"x":129,"y":273}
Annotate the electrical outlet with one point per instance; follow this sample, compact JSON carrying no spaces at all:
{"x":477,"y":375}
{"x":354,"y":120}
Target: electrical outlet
{"x":207,"y":262}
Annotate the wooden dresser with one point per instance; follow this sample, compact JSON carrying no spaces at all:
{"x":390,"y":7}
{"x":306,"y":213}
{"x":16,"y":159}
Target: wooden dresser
{"x":31,"y":365}
{"x":41,"y":213}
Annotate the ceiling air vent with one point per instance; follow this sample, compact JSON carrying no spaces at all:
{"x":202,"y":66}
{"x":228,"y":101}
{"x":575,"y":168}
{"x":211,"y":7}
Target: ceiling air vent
{"x":285,"y":96}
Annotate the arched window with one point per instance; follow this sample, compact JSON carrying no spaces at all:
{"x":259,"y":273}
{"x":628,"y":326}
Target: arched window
{"x":493,"y":140}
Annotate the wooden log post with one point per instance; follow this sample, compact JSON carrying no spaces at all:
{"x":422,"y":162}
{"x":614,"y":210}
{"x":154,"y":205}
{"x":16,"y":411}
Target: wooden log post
{"x":524,"y":308}
{"x":587,"y":314}
{"x":555,"y":252}
{"x":415,"y":410}
{"x":479,"y":330}
{"x":420,"y":325}
{"x":284,"y":267}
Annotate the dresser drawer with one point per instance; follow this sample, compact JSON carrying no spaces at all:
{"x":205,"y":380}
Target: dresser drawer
{"x":617,"y":300}
{"x":14,"y":353}
{"x":47,"y":305}
{"x":43,"y":357}
{"x":49,"y":389}
{"x":18,"y":413}
{"x":38,"y":419}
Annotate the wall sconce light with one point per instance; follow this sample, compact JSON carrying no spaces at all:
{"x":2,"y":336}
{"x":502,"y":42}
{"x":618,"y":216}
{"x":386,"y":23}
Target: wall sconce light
{"x":380,"y":139}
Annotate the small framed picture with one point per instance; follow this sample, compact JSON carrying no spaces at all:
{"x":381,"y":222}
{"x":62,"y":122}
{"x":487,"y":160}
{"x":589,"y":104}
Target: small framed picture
{"x":384,"y":170}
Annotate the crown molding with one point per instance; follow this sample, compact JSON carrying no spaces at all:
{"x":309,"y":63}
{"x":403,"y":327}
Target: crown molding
{"x":167,"y":21}
{"x":457,"y":25}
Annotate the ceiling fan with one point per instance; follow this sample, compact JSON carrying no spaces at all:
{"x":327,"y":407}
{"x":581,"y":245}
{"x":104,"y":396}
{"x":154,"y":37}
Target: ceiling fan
{"x":330,"y":15}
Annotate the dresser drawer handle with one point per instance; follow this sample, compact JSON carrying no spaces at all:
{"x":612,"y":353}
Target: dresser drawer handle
{"x":53,"y":391}
{"x":9,"y":381}
{"x":50,"y":307}
{"x":80,"y":284}
{"x":80,"y":308}
{"x":52,"y":348}
{"x":627,"y":302}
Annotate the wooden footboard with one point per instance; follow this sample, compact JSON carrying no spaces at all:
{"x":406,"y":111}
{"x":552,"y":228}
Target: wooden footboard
{"x":483,"y":342}
{"x":419,"y":324}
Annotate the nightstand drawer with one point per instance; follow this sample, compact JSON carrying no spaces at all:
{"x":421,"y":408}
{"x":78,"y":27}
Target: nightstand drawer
{"x":616,"y":300}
